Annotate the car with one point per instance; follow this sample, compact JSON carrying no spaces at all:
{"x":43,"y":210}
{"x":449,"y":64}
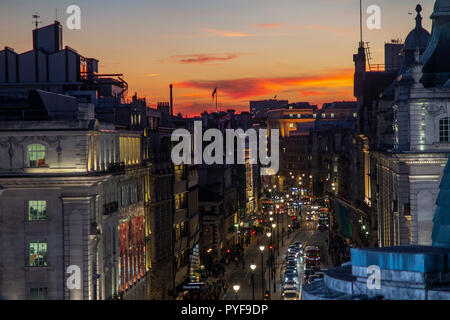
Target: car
{"x":298,"y":244}
{"x":289,"y":276}
{"x":290,"y":285}
{"x":292,"y":248}
{"x":290,"y":295}
{"x":322,"y":227}
{"x":292,"y":263}
{"x":292,"y":270}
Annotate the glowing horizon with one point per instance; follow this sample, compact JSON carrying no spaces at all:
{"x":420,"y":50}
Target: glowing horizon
{"x":295,"y":50}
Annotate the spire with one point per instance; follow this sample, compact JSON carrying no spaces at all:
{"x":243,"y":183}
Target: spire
{"x":419,"y":17}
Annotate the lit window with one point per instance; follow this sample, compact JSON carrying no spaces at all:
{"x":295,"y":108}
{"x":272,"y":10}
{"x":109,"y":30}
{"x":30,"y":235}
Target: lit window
{"x":36,"y":155}
{"x":291,"y":125}
{"x":180,"y":201}
{"x":299,"y":115}
{"x":38,"y":254}
{"x":355,"y":115}
{"x":38,"y":293}
{"x":444,"y":130}
{"x":291,"y":115}
{"x":315,"y":115}
{"x":324,"y":115}
{"x":37,"y":210}
{"x":332,"y":115}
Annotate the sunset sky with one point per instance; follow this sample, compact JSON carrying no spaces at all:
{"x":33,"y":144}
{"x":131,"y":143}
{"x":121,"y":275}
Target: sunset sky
{"x":299,"y":50}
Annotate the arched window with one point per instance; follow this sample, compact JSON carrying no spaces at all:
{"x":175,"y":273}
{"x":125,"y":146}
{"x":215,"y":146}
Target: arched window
{"x":36,"y":155}
{"x":444,"y":135}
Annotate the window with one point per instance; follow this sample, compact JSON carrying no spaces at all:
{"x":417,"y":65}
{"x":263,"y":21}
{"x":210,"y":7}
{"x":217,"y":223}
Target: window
{"x":123,"y":196}
{"x":324,"y":115}
{"x":299,"y":115}
{"x":291,"y":125}
{"x":355,"y":115}
{"x":314,"y":115}
{"x":38,"y":254}
{"x":179,"y":173}
{"x":37,"y":210}
{"x":180,"y":201}
{"x":332,"y":115}
{"x":36,"y":155}
{"x":38,"y":293}
{"x":444,"y":130}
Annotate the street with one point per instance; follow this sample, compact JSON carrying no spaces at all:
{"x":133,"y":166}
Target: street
{"x":307,"y":234}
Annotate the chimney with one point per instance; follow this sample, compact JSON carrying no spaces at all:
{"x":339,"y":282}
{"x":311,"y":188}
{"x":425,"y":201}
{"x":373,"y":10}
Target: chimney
{"x":171,"y":100}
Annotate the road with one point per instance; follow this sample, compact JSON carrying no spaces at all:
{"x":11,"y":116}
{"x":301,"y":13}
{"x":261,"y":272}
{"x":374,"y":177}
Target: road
{"x":307,"y":234}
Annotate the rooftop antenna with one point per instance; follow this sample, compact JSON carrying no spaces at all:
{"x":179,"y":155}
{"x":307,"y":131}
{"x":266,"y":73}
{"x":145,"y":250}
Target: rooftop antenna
{"x":361,"y":43}
{"x":56,"y":14}
{"x":36,"y":20}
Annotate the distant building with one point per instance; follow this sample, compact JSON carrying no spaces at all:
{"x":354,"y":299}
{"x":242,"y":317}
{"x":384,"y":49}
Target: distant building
{"x":259,"y":109}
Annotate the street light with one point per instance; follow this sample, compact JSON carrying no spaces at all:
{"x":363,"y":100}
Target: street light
{"x":236,"y":288}
{"x":269,"y":242}
{"x":261,"y":248}
{"x":253,"y":267}
{"x":274,"y":225}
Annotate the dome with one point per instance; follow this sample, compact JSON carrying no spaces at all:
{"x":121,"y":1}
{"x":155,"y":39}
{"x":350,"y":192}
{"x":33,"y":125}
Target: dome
{"x":441,"y":8}
{"x":419,"y":37}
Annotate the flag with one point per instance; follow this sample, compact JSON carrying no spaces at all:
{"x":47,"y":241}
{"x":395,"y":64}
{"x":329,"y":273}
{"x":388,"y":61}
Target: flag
{"x":214,"y":93}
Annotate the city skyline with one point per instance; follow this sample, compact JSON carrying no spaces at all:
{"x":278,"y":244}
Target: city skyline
{"x":266,"y":50}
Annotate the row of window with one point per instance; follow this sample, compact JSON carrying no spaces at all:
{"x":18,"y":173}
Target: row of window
{"x":130,"y":194}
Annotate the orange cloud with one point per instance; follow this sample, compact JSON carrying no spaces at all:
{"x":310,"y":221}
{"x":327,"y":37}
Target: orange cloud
{"x":238,"y":89}
{"x":329,"y":86}
{"x":268,"y":26}
{"x":200,"y":58}
{"x":228,"y":34}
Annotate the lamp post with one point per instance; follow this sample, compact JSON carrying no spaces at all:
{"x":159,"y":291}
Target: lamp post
{"x":269,"y":235}
{"x":253,"y":267}
{"x":261,"y":248}
{"x":274,"y":271}
{"x":236,"y":288}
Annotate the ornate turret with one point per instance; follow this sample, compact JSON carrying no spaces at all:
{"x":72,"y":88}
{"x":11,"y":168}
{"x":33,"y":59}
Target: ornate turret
{"x":435,"y":58}
{"x":418,"y":38}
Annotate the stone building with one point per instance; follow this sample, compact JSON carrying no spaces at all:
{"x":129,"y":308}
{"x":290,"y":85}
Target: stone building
{"x":408,"y":177}
{"x":74,"y":193}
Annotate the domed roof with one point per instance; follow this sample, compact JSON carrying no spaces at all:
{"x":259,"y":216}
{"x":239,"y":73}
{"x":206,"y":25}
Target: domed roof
{"x":441,"y":8}
{"x":419,"y":37}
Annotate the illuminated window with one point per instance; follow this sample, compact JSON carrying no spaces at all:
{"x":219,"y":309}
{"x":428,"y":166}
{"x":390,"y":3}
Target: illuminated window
{"x":291,"y":115}
{"x":355,"y":115}
{"x":315,"y":115}
{"x":37,"y":210}
{"x":179,"y":173}
{"x":38,"y":293}
{"x":324,"y":115}
{"x":36,"y":155}
{"x":291,"y":125}
{"x":180,"y":201}
{"x":332,"y":115}
{"x":444,"y":125}
{"x":38,"y":254}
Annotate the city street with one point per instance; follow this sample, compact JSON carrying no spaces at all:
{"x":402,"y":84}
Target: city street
{"x":307,"y":234}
